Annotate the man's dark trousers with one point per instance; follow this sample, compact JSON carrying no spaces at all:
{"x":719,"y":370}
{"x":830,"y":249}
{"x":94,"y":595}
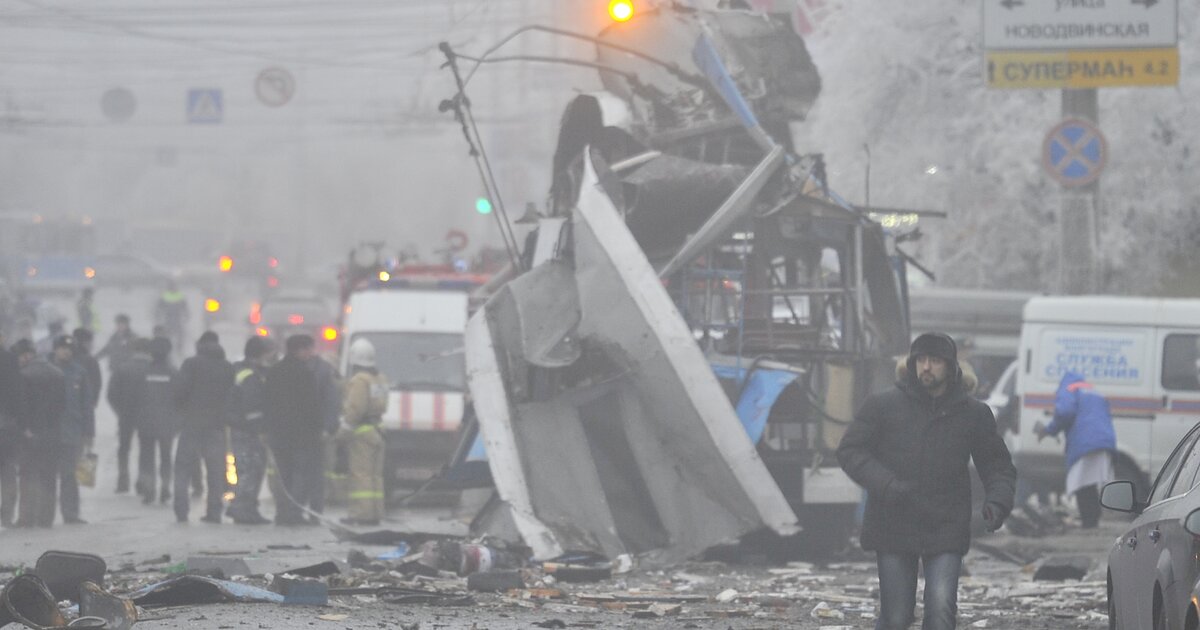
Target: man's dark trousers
{"x":66,"y":458}
{"x":148,"y":446}
{"x":125,"y":431}
{"x":250,"y":457}
{"x":302,"y":475}
{"x":39,"y":471}
{"x":207,"y":445}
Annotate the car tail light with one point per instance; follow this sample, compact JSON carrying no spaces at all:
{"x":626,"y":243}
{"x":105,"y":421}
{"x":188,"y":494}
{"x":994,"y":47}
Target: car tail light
{"x":262,"y":332}
{"x":295,"y":320}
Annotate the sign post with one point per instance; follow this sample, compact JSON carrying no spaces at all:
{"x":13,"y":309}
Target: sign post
{"x":1078,"y":46}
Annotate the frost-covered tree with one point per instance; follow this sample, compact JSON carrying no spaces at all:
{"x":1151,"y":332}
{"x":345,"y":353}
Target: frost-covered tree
{"x":906,"y":80}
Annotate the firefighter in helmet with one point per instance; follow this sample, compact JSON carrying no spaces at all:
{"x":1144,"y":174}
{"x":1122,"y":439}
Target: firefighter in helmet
{"x":363,"y":406}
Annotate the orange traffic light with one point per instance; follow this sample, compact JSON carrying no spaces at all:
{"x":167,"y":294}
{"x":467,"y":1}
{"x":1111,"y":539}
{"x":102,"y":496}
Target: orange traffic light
{"x":620,"y":10}
{"x":225,"y":263}
{"x":211,"y":305}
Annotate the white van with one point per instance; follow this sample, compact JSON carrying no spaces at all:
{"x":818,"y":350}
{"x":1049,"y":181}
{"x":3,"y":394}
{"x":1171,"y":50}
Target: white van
{"x":418,"y":339}
{"x":1140,"y":353}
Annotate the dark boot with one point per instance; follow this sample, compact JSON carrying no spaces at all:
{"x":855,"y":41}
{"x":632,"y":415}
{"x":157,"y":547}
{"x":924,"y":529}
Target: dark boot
{"x":123,"y":482}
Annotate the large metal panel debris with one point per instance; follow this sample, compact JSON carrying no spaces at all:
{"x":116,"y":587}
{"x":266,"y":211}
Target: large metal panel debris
{"x":632,"y":448}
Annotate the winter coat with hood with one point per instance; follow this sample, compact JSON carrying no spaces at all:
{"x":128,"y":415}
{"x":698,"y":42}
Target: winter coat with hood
{"x":1084,"y":416}
{"x":905,"y":439}
{"x":203,"y":387}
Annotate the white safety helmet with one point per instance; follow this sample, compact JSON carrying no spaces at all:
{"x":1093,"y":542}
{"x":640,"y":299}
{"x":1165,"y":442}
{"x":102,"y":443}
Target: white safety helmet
{"x":362,"y":353}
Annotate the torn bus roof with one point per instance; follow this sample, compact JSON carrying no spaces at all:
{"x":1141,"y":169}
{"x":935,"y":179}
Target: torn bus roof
{"x":631,"y":446}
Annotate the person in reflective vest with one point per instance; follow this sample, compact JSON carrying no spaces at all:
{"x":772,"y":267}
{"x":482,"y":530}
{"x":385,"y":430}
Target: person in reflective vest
{"x":247,"y":424}
{"x":363,"y":406}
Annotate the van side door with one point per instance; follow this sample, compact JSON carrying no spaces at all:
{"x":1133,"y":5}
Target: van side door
{"x":1177,"y":386}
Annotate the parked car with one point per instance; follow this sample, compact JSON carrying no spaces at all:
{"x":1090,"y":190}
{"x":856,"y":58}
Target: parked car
{"x":1154,"y":568}
{"x":287,"y":314}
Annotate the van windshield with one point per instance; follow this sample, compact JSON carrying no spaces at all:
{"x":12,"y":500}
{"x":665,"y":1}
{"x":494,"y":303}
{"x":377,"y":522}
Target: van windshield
{"x":420,"y":361}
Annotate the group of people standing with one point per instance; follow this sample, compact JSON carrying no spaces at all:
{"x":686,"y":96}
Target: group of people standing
{"x":47,"y":423}
{"x":266,"y":412}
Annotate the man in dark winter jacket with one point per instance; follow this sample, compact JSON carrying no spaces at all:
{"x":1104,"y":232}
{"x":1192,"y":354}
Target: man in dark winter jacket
{"x":43,"y":399}
{"x":910,"y":448}
{"x":126,"y":395}
{"x":201,"y":392}
{"x":83,"y":356}
{"x":330,"y":392}
{"x":247,"y":424}
{"x":295,"y":424}
{"x":157,"y":422}
{"x":10,"y":432}
{"x":78,"y":428}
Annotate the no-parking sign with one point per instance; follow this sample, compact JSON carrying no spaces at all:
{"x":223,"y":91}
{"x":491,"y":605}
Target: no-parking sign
{"x":1074,"y":152}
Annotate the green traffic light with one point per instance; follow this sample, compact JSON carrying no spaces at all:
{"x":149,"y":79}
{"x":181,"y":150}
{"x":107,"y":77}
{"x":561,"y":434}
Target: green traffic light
{"x":483,"y":205}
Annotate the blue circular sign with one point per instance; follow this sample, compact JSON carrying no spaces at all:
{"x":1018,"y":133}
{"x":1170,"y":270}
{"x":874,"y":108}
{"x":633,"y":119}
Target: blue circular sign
{"x":1075,"y":152}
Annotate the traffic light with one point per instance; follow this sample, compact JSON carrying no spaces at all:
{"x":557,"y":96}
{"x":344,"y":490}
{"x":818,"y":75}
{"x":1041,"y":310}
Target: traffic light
{"x":483,"y":205}
{"x":225,"y":264}
{"x":620,"y":10}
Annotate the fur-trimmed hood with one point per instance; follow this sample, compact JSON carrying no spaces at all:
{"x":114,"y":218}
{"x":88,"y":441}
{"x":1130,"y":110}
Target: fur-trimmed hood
{"x":970,"y":382}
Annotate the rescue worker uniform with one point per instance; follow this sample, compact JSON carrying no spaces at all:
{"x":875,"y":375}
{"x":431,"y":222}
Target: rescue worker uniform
{"x":157,"y":423}
{"x":364,"y":403}
{"x":44,"y":398}
{"x":202,"y":393}
{"x":247,"y":423}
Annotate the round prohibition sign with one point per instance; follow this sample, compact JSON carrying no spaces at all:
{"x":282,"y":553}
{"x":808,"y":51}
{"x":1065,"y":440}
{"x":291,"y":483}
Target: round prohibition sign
{"x":1075,"y":152}
{"x":274,"y":87}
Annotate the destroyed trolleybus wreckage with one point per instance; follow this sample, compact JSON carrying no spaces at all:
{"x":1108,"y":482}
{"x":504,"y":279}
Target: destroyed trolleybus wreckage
{"x":696,"y":316}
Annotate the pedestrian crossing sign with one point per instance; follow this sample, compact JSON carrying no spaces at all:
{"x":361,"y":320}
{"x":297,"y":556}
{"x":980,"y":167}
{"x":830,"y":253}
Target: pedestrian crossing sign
{"x":204,"y":106}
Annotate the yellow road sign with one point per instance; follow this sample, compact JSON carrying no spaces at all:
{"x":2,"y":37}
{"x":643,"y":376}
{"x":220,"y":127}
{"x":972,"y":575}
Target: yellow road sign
{"x":1083,"y":68}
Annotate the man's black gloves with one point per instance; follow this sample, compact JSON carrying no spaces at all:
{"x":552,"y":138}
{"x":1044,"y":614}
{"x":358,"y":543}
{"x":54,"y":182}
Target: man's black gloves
{"x":994,"y":515}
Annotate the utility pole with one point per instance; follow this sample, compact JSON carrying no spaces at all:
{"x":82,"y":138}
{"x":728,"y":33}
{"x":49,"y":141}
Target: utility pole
{"x":1077,"y":242}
